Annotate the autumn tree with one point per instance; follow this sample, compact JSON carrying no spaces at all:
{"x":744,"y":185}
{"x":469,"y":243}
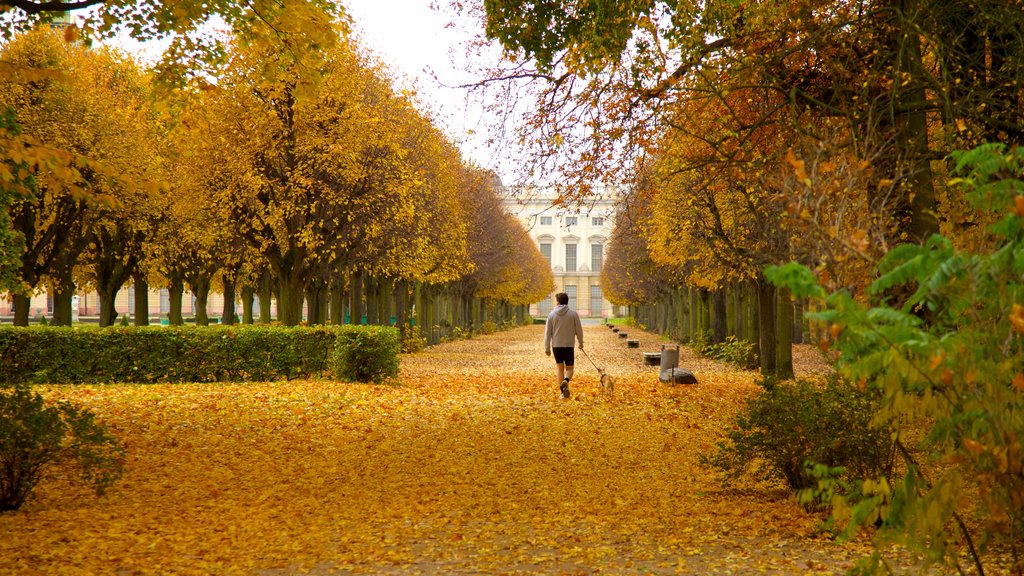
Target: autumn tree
{"x":89,"y":102}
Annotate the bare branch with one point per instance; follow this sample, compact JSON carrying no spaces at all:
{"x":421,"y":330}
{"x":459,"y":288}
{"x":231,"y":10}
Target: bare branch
{"x":30,"y":7}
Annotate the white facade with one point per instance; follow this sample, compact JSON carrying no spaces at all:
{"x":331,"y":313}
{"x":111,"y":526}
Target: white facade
{"x":574,"y":240}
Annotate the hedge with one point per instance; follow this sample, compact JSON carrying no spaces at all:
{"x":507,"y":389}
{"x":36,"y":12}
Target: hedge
{"x":148,"y":354}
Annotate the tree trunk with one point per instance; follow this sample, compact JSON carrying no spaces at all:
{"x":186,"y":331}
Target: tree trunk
{"x":21,"y":312}
{"x":175,"y":290}
{"x":201,"y":289}
{"x":356,"y":307}
{"x":107,"y":293}
{"x":401,"y":299}
{"x":719,"y":326}
{"x":784,"y":365}
{"x":227,"y":316}
{"x":62,"y":295}
{"x":384,"y":294}
{"x":291,"y":289}
{"x":266,"y":299}
{"x":705,"y":313}
{"x":741,"y":295}
{"x":141,"y":299}
{"x":316,"y":300}
{"x":337,"y":304}
{"x":248,"y":295}
{"x":913,"y":129}
{"x":372,"y":306}
{"x":798,"y":321}
{"x":766,"y":301}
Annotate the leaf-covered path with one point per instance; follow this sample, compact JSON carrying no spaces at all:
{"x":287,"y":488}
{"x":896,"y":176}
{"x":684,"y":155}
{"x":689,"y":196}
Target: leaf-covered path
{"x":470,"y":465}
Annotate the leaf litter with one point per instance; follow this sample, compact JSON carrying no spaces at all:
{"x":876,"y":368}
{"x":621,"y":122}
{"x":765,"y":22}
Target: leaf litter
{"x":467,"y":464}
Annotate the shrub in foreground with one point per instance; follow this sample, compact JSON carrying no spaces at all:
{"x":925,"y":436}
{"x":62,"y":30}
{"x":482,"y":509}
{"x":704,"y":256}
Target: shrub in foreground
{"x":792,"y":424}
{"x":366,"y":353}
{"x":34,"y":437}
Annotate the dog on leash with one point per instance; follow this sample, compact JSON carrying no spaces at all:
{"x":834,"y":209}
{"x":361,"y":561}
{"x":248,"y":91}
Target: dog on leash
{"x":607,"y":383}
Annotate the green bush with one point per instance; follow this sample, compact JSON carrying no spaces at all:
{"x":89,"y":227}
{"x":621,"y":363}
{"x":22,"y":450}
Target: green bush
{"x":488,"y":327}
{"x":732,"y":350}
{"x":62,"y":355}
{"x":939,"y":340}
{"x":34,"y":437}
{"x":792,"y":424}
{"x":366,"y":353}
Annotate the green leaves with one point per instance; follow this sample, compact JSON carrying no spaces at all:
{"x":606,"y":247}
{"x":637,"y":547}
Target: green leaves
{"x":942,"y":351}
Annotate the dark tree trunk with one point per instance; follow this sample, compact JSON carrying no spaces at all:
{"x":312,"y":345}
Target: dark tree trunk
{"x":248,"y":295}
{"x":266,"y":299}
{"x":227,"y":316}
{"x":719,"y":328}
{"x":372,"y":305}
{"x":291,"y":290}
{"x":316,"y":302}
{"x":337,"y":304}
{"x":107,"y":294}
{"x":21,"y":312}
{"x":356,"y":307}
{"x":175,"y":293}
{"x":766,"y":300}
{"x":62,"y":295}
{"x":141,"y":299}
{"x":201,"y":289}
{"x":784,"y":365}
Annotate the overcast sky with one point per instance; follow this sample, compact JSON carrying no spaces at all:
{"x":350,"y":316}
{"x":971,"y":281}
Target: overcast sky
{"x":422,"y":43}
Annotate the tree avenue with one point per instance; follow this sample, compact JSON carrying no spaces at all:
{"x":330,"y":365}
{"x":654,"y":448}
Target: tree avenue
{"x":298,"y":174}
{"x":860,"y":159}
{"x":764,"y":132}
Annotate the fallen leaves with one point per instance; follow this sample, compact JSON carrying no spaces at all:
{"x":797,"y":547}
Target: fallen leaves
{"x":469,"y":464}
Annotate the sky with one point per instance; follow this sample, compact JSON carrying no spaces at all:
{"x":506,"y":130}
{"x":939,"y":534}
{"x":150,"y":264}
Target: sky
{"x":427,"y":47}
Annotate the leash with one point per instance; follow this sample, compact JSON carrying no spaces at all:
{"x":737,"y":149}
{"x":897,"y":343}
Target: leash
{"x":591,"y":360}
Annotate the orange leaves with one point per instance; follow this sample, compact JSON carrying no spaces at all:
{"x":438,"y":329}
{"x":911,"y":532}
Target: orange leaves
{"x":799,"y":168}
{"x":1017,"y":317}
{"x":1018,"y":206}
{"x":469,"y":464}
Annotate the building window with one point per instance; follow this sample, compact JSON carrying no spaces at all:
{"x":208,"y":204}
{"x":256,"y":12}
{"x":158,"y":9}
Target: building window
{"x":596,"y":257}
{"x":596,"y":304}
{"x":597,"y":221}
{"x":570,"y":220}
{"x":570,"y":257}
{"x":544,"y":308}
{"x":545,"y":220}
{"x":545,"y":251}
{"x":49,"y":303}
{"x":570,"y":291}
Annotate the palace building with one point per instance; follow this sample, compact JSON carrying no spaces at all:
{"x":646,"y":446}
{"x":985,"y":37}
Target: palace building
{"x":573,"y":240}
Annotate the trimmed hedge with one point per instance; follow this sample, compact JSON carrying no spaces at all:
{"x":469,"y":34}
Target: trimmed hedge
{"x":61,"y":355}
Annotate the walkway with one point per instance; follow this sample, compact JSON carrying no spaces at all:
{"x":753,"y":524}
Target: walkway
{"x":470,"y":466}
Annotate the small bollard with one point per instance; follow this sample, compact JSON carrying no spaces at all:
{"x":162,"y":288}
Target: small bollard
{"x":633,"y":343}
{"x":623,"y":335}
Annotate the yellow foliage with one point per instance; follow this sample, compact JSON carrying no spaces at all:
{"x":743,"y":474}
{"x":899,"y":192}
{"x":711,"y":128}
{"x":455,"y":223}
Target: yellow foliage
{"x":470,"y":465}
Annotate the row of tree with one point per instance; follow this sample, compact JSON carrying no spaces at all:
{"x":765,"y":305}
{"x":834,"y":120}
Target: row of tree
{"x":760,"y":133}
{"x":294,"y":171}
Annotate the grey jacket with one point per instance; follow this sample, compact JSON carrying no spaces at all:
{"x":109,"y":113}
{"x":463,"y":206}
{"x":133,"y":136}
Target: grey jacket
{"x":562,"y":326}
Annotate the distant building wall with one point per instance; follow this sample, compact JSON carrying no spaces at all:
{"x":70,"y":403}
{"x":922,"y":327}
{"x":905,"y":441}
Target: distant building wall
{"x":574,"y":241}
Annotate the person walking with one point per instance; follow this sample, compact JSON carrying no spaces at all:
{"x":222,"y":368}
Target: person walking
{"x":562,"y":328}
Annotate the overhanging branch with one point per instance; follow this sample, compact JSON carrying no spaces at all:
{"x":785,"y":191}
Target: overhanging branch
{"x":30,"y":7}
